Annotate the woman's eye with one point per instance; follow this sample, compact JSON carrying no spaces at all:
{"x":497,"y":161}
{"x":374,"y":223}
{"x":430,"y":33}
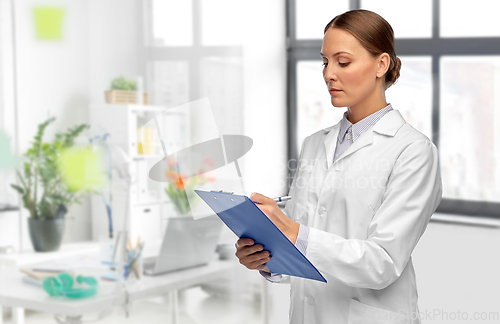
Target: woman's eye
{"x":344,"y":64}
{"x":325,"y":64}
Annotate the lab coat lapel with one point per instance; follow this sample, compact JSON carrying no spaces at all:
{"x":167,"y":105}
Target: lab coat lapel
{"x":365,"y":139}
{"x":331,"y":142}
{"x":387,"y":125}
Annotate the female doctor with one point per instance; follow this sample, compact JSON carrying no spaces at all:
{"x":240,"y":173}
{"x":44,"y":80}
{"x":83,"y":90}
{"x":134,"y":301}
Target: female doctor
{"x":363,"y":192}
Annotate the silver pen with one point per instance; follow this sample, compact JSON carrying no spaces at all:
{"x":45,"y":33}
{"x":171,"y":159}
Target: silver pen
{"x":280,"y":199}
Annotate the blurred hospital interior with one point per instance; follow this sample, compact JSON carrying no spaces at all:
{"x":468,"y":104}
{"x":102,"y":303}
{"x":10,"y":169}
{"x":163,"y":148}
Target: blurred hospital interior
{"x":95,"y":94}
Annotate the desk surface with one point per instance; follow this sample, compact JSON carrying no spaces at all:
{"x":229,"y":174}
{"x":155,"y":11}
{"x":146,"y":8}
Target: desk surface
{"x":15,"y":293}
{"x":25,"y":258}
{"x":28,"y":258}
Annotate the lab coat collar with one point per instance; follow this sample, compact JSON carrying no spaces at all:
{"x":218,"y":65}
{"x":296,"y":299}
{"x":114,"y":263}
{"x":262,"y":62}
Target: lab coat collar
{"x":388,"y":125}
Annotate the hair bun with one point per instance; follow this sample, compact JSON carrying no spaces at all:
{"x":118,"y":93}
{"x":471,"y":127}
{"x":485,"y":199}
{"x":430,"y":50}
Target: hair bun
{"x":393,"y":75}
{"x":374,"y":33}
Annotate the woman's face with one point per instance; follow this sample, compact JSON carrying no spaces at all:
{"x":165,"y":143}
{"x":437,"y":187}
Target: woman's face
{"x":349,"y":70}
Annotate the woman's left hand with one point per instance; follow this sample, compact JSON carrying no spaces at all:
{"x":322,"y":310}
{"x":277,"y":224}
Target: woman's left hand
{"x":274,"y":213}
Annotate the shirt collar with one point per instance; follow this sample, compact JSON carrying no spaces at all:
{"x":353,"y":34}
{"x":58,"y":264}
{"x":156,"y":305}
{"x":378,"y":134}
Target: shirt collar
{"x":361,"y":126}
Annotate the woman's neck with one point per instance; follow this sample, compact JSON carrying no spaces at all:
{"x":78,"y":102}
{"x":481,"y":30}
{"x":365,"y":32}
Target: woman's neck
{"x":365,"y":108}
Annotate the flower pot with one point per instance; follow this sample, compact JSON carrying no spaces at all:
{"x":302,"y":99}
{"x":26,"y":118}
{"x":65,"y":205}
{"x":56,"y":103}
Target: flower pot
{"x":124,"y":97}
{"x":46,"y":234}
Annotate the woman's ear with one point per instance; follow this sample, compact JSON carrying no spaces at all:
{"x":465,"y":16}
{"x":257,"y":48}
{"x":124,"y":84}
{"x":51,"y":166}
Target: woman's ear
{"x":384,"y":61}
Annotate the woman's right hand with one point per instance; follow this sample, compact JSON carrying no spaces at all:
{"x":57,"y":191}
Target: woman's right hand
{"x":252,"y":255}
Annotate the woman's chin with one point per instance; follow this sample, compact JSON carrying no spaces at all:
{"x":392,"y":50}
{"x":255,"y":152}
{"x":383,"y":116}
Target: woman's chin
{"x":338,"y":103}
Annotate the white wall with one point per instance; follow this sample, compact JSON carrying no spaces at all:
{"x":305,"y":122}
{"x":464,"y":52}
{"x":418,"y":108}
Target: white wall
{"x":113,"y":43}
{"x":457,"y":269}
{"x":6,"y":68}
{"x":8,"y":220}
{"x":61,"y":78}
{"x":52,"y":75}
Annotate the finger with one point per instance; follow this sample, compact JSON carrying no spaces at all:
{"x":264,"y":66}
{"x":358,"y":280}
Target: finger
{"x":261,"y":207}
{"x":258,"y":259}
{"x":261,"y":199}
{"x":254,"y":260}
{"x":243,"y":252}
{"x":248,"y":258}
{"x":244,"y":241}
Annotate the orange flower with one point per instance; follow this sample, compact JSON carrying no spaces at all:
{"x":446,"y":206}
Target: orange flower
{"x":181,"y":183}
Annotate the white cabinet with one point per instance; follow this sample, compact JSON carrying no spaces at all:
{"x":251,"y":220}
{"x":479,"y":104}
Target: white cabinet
{"x":133,"y":129}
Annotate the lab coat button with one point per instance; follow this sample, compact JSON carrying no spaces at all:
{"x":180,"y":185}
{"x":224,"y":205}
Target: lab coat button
{"x":310,"y":300}
{"x":322,"y":211}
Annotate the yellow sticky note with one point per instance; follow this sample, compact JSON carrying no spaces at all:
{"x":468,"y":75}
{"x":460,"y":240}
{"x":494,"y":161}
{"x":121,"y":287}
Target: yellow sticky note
{"x":48,"y":22}
{"x":82,"y":169}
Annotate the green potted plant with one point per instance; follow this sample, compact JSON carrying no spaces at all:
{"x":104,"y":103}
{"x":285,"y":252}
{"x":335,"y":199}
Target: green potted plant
{"x":43,"y":189}
{"x":123,"y":91}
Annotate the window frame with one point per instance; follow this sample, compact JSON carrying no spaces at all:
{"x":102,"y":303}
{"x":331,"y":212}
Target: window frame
{"x":435,"y":47}
{"x":192,"y":54}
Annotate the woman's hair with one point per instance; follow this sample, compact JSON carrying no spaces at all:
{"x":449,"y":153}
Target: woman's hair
{"x":374,"y":33}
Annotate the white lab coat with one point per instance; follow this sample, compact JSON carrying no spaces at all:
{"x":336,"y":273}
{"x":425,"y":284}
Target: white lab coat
{"x":366,"y":213}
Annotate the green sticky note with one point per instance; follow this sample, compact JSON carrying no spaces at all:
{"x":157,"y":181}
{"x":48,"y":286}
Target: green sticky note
{"x":48,"y":22}
{"x":7,"y":158}
{"x":81,"y":168}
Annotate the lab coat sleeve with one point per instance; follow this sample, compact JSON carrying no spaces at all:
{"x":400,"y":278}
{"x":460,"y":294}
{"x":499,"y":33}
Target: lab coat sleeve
{"x":411,"y":196}
{"x":271,"y":277}
{"x":300,"y":244}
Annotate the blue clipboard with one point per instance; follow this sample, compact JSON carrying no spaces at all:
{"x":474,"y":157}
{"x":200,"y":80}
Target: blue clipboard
{"x":245,"y":219}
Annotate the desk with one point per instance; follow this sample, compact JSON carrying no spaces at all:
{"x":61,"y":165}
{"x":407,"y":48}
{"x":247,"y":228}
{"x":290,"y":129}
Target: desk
{"x":19,"y":295}
{"x":22,"y":259}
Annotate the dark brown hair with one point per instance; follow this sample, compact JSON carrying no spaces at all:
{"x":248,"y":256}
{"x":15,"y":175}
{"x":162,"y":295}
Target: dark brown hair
{"x":374,"y":33}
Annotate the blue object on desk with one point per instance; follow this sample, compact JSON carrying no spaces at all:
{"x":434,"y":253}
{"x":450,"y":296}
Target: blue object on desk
{"x":33,"y":281}
{"x":64,"y":285}
{"x":245,"y":219}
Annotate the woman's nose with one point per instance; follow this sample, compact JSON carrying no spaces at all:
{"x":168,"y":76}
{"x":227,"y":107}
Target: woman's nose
{"x":329,"y":73}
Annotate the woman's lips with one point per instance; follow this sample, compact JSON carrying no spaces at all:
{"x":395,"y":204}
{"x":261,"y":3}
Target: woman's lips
{"x":334,"y":91}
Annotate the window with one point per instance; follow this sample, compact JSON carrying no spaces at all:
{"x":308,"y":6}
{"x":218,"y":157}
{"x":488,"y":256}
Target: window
{"x":449,"y":87}
{"x":469,"y":123}
{"x":190,"y":53}
{"x":461,"y":18}
{"x":166,"y":16}
{"x":233,"y":52}
{"x":409,"y":19}
{"x":321,"y":10}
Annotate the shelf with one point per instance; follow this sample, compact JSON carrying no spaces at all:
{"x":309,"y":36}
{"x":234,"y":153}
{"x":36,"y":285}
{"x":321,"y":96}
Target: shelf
{"x":465,"y":220}
{"x":7,"y":208}
{"x":148,"y":157}
{"x":134,"y":108}
{"x":126,"y":123}
{"x":152,"y":202}
{"x":147,"y":108}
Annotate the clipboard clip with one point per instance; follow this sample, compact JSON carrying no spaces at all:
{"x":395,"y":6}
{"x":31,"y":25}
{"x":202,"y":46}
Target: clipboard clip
{"x":228,"y":192}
